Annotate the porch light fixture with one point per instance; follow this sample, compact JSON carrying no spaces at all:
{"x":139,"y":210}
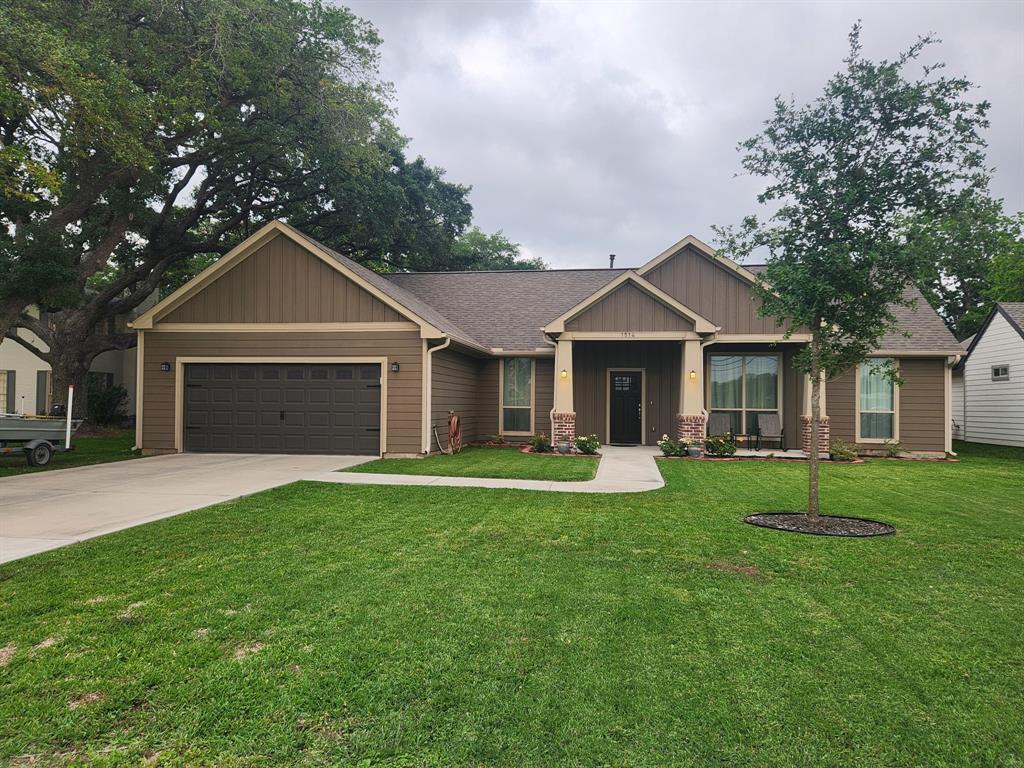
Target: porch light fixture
{"x":165,"y":367}
{"x":395,"y":367}
{"x":564,"y":374}
{"x":693,"y":375}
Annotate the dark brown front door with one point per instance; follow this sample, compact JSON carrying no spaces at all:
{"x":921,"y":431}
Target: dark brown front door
{"x":282,"y":408}
{"x":625,"y":403}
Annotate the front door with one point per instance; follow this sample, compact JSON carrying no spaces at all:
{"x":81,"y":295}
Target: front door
{"x":625,"y":407}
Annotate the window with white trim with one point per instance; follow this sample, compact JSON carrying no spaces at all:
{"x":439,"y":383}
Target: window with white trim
{"x":743,"y":386}
{"x":517,"y":395}
{"x":1000,"y":373}
{"x":876,"y":405}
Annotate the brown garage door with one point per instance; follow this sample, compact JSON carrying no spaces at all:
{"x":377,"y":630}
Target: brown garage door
{"x":282,"y":408}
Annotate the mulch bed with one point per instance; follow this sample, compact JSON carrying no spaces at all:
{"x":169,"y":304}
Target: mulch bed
{"x":529,"y":449}
{"x":825,"y":525}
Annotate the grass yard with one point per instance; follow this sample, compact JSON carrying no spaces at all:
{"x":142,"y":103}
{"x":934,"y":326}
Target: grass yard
{"x":477,"y":461}
{"x":98,"y":449}
{"x":323,"y":624}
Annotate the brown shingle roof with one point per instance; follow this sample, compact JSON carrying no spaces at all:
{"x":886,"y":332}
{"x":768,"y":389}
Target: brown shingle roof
{"x":927,"y":331}
{"x":505,"y":309}
{"x":1014,"y":311}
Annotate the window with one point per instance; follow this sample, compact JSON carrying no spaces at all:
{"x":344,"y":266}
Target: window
{"x":743,"y":386}
{"x":517,"y":395}
{"x":876,"y":400}
{"x":1000,"y":373}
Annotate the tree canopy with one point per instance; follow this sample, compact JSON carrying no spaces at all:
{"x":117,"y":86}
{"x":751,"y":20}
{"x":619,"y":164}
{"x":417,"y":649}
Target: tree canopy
{"x":881,"y":145}
{"x":142,"y":137}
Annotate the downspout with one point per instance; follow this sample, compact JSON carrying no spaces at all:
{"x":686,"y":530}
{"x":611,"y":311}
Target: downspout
{"x":428,"y":395}
{"x":948,"y":387}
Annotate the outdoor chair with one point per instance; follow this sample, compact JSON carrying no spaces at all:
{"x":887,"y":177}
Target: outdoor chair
{"x":769,"y":427}
{"x":719,"y":424}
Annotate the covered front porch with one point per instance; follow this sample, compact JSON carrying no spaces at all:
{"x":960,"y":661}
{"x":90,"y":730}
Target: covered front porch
{"x":632,"y":389}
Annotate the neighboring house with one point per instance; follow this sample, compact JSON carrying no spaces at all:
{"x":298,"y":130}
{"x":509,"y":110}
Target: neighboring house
{"x":285,"y":345}
{"x":25,"y":381}
{"x":988,"y":383}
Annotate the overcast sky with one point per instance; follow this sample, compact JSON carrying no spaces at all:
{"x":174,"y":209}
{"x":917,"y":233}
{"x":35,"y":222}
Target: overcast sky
{"x":594,"y":128}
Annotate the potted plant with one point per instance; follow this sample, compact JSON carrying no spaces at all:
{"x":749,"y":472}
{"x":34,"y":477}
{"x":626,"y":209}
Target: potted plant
{"x":695,"y":450}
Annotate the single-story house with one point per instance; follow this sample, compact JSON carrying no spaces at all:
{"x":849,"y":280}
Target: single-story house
{"x":988,"y":383}
{"x":285,"y":345}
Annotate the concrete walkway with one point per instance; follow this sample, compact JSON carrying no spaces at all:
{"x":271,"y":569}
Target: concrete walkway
{"x":622,"y":470}
{"x":46,"y":510}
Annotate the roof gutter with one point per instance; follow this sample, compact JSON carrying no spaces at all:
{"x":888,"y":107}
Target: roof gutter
{"x":428,"y":394}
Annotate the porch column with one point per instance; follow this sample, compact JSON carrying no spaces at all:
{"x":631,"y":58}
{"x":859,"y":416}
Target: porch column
{"x":563,"y":417}
{"x":691,"y":417}
{"x":824,"y":427}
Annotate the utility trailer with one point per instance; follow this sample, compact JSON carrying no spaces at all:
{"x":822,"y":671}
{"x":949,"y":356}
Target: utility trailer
{"x":39,"y":437}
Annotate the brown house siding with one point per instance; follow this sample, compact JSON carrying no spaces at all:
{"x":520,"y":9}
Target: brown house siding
{"x":661,"y":363}
{"x":488,"y":417}
{"x":921,"y":405}
{"x":792,"y":382}
{"x":455,"y":386}
{"x":628,"y":308}
{"x":282,"y":283}
{"x":712,"y":291}
{"x":404,"y":423}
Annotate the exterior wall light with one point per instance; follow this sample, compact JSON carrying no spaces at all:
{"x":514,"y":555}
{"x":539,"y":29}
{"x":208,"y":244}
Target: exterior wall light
{"x":165,"y":367}
{"x":395,"y":367}
{"x":564,"y":374}
{"x":693,"y":375}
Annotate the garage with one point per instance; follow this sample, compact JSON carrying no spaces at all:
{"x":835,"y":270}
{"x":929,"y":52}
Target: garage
{"x":282,"y":408}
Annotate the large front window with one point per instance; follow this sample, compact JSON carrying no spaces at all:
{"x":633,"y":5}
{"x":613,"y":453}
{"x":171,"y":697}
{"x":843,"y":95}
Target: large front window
{"x":517,"y":395}
{"x":742,"y":386}
{"x":876,"y":400}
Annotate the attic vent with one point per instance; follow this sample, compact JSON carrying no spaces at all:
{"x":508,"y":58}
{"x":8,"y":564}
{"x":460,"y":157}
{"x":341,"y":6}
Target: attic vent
{"x":611,"y":261}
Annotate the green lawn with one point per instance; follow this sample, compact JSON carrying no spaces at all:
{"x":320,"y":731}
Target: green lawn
{"x":476,"y":461}
{"x":322,"y":624}
{"x":87,"y":450}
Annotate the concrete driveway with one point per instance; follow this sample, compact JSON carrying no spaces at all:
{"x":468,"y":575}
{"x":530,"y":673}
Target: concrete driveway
{"x":47,"y":510}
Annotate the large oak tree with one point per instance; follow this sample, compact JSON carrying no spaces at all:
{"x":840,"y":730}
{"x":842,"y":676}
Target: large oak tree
{"x":139,"y":136}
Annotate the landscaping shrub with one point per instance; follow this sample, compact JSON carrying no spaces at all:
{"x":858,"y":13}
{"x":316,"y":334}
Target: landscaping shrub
{"x":588,"y":444}
{"x":106,"y":404}
{"x":670,"y":447}
{"x":719,"y":445}
{"x":842,"y":451}
{"x":892,"y":449}
{"x":540,"y":443}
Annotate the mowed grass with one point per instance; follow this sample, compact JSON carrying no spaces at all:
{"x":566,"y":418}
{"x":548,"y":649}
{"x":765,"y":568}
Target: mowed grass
{"x":477,"y":461}
{"x":320,"y":624}
{"x":116,"y":446}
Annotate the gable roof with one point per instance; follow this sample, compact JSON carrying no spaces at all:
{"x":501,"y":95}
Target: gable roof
{"x":724,"y":261}
{"x":700,"y":324}
{"x":1012,"y":311}
{"x":506,"y":309}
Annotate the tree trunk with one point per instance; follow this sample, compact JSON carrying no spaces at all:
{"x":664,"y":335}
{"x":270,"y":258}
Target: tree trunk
{"x":10,"y":312}
{"x":812,"y":463}
{"x":70,"y":369}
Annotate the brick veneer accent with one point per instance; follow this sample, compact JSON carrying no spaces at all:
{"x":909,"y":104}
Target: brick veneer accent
{"x":563,"y":427}
{"x":824,"y":433}
{"x":690,"y":427}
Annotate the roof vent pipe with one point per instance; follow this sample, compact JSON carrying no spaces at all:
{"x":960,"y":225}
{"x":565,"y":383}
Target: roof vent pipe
{"x":611,"y":261}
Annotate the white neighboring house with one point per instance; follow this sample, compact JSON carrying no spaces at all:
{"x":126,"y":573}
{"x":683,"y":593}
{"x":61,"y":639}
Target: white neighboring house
{"x":25,"y":381}
{"x":988,"y":384}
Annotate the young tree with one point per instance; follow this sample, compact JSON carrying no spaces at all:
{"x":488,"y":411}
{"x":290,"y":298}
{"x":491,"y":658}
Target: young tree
{"x":134,"y":136}
{"x":844,"y":172}
{"x":960,"y":251}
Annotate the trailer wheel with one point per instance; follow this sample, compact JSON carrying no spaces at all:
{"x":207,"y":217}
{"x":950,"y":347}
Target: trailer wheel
{"x":39,"y":455}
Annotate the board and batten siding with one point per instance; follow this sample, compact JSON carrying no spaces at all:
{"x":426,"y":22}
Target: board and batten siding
{"x":404,"y":395}
{"x":282,"y":282}
{"x":628,"y":308}
{"x":994,"y":410}
{"x":921,"y":411}
{"x":712,"y":291}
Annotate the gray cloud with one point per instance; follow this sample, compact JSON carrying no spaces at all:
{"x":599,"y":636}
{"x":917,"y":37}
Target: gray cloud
{"x":587,"y":129}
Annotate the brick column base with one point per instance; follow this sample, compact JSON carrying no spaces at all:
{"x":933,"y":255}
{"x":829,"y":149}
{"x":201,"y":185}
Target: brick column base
{"x":690,"y":427}
{"x":824,"y":435}
{"x":563,"y":427}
